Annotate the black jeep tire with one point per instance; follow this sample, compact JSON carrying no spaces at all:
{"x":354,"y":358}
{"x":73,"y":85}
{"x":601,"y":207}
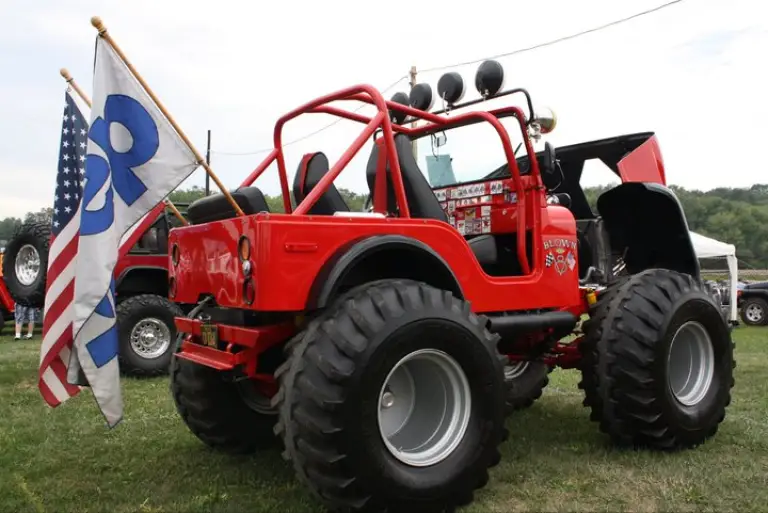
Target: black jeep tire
{"x":329,"y":399}
{"x":593,"y":332}
{"x":152,"y":316}
{"x":526,"y":384}
{"x":633,"y":396}
{"x":760,"y":306}
{"x":217,"y":411}
{"x":34,"y":237}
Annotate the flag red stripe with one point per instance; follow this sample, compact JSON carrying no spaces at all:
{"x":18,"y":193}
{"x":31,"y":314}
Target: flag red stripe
{"x":47,"y":394}
{"x":61,"y":261}
{"x":59,"y":306}
{"x":61,"y":373}
{"x":64,"y":340}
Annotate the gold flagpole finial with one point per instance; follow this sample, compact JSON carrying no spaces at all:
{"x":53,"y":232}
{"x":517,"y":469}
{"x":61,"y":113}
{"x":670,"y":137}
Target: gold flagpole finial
{"x":65,"y":73}
{"x":96,"y":22}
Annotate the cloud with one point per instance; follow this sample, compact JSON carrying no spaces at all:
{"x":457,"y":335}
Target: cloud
{"x":687,"y":72}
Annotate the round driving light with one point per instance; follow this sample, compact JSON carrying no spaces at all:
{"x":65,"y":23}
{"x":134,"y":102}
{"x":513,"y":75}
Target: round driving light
{"x":489,"y":79}
{"x":421,"y":97}
{"x":546,"y":119}
{"x":451,"y":88}
{"x":244,"y":248}
{"x":398,"y":116}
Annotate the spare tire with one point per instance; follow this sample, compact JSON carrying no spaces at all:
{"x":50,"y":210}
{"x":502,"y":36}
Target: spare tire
{"x":25,"y":263}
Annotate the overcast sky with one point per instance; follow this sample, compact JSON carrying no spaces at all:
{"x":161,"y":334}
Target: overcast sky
{"x":693,"y":73}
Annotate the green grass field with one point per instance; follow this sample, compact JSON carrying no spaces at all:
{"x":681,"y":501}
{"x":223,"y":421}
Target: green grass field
{"x":64,"y":459}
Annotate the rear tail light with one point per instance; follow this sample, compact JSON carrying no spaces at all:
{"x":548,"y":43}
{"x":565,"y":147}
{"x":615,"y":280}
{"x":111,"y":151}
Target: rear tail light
{"x":175,"y":255}
{"x":244,"y":248}
{"x":249,"y":291}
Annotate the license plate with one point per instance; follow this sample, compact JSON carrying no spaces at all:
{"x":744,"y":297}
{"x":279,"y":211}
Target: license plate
{"x":209,"y":333}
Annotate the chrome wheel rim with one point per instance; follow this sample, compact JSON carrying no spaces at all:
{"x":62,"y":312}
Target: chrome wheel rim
{"x":150,"y":338}
{"x":27,"y":265}
{"x":425,"y":405}
{"x":754,"y":313}
{"x":691,"y":363}
{"x":515,"y":370}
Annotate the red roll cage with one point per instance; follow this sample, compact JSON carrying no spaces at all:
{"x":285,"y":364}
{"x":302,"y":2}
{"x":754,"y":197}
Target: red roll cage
{"x":381,"y":120}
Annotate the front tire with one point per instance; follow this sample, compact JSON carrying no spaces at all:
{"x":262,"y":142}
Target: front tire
{"x":525,"y":383}
{"x":147,"y":331}
{"x":754,"y":311}
{"x":333,"y":401}
{"x":663,"y":361}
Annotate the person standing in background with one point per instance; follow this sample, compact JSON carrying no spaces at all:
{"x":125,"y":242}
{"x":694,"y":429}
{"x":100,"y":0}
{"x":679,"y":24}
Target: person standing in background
{"x":24,"y":314}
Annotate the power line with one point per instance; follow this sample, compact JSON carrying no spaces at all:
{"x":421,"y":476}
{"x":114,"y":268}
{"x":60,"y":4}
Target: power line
{"x":307,"y":136}
{"x":466,"y":63}
{"x":555,"y":41}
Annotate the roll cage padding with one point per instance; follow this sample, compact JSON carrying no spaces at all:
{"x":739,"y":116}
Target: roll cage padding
{"x":217,"y":207}
{"x":646,"y":222}
{"x":422,"y":201}
{"x":312,"y":168}
{"x":380,"y":257}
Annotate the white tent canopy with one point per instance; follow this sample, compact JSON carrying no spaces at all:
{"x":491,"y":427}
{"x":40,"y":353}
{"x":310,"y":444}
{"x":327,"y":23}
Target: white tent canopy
{"x":711,"y":248}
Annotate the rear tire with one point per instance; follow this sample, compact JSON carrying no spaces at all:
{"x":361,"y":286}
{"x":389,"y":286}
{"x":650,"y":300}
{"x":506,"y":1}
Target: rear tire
{"x":331,"y":398}
{"x":754,"y":311}
{"x":217,"y":412}
{"x":656,"y":326}
{"x":30,"y":245}
{"x":147,"y":332}
{"x":525,"y":383}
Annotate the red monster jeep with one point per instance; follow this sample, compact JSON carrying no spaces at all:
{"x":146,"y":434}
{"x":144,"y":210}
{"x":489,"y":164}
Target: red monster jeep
{"x":374,"y":344}
{"x":145,"y":315}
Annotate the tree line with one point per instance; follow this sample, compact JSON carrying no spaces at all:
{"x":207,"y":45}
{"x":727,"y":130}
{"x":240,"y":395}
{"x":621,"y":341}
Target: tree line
{"x":738,"y":216}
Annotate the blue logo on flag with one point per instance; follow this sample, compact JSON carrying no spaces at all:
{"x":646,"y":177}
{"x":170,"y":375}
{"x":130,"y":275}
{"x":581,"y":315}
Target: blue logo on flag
{"x":134,"y":117}
{"x":104,"y":347}
{"x":118,"y":167}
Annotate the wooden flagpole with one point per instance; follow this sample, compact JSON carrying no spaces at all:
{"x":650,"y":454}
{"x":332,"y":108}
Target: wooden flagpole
{"x":169,"y":204}
{"x":99,"y":25}
{"x":71,"y":81}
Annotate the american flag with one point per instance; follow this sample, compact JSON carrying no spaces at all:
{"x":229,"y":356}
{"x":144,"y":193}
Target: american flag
{"x":57,"y":318}
{"x":58,"y":336}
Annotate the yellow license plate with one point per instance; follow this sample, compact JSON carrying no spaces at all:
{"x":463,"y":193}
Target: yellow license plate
{"x":209,"y":333}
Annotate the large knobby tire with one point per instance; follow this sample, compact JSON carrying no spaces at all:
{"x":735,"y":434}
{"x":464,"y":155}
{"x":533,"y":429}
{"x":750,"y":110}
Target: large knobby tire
{"x":147,"y":332}
{"x":525,"y":383}
{"x":232,"y":417}
{"x":754,"y":311}
{"x":593,"y":332}
{"x":332,"y":401}
{"x":29,"y":249}
{"x":663,"y":361}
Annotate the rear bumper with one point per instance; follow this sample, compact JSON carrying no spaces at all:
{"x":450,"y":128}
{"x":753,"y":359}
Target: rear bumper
{"x":235,"y":346}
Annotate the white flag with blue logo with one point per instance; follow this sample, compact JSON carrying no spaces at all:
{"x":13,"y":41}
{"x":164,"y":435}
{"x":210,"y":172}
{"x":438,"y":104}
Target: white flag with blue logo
{"x":135,"y":158}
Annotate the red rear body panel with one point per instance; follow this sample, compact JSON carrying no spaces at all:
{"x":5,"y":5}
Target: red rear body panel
{"x":290,"y":251}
